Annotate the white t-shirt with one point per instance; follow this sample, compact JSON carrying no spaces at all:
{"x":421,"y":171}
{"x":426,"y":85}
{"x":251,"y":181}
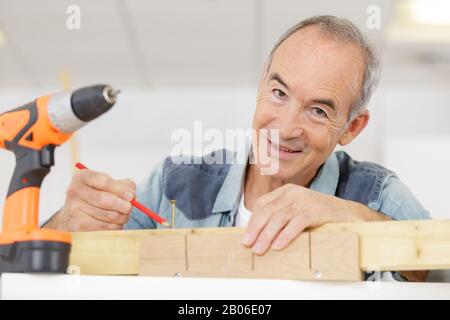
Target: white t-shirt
{"x":243,"y":214}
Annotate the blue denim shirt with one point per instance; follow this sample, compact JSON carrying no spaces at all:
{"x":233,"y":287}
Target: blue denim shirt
{"x":208,"y":194}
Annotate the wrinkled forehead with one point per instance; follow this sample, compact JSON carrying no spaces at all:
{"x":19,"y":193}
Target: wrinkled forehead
{"x":311,"y":61}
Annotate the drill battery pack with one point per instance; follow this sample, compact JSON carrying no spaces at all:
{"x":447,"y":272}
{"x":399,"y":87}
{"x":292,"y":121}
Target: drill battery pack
{"x":34,"y":257}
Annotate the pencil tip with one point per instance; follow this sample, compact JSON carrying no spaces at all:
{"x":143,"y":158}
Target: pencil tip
{"x":165,"y":224}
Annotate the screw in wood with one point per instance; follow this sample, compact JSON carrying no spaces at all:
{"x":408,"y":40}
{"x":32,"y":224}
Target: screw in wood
{"x":174,"y":203}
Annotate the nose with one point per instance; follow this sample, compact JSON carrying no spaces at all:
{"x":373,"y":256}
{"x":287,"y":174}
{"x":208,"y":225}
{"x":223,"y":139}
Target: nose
{"x":290,"y":124}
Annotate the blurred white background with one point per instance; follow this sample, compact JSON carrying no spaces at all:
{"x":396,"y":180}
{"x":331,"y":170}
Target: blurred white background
{"x":179,"y":61}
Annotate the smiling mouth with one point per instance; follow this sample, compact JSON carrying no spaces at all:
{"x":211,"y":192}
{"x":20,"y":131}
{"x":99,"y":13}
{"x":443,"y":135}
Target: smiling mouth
{"x":283,"y":148}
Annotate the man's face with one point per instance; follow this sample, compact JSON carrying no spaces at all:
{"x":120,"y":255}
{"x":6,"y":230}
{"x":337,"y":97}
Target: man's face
{"x":307,"y":94}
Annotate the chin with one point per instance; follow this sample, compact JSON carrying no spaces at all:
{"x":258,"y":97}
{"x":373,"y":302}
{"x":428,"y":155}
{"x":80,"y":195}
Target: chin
{"x":283,"y":173}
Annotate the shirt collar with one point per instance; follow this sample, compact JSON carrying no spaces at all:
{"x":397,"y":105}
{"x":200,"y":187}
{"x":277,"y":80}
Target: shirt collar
{"x":325,"y":181}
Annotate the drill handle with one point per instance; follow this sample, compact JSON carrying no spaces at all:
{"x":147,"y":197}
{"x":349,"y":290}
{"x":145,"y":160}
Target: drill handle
{"x":21,"y":211}
{"x":32,"y":166}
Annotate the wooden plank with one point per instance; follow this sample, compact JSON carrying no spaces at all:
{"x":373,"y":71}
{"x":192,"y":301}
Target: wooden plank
{"x":385,"y":246}
{"x":335,"y":256}
{"x":106,"y":253}
{"x":292,"y":262}
{"x":401,"y":245}
{"x":223,"y":255}
{"x":162,"y":256}
{"x":220,"y":255}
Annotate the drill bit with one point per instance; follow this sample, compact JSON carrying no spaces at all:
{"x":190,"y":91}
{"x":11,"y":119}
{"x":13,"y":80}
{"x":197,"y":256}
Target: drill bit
{"x":110,"y":94}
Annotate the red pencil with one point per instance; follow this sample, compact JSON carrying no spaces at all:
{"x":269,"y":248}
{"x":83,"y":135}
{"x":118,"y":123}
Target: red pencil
{"x":137,"y":205}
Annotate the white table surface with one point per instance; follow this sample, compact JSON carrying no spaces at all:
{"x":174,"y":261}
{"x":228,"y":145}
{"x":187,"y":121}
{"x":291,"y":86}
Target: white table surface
{"x":26,"y":286}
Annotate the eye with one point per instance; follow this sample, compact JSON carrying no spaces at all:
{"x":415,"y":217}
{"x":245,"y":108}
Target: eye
{"x":319,"y":112}
{"x":278,"y":93}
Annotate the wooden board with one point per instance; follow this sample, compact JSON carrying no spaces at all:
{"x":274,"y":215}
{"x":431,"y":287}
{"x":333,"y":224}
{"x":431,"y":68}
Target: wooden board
{"x":324,"y":256}
{"x":384,"y":246}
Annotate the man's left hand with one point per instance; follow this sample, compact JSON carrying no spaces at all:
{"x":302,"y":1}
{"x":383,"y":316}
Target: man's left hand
{"x":278,"y":217}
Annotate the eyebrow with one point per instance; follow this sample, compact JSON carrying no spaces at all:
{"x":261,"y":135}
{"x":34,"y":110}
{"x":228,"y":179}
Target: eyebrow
{"x":277,"y":77}
{"x":327,"y":102}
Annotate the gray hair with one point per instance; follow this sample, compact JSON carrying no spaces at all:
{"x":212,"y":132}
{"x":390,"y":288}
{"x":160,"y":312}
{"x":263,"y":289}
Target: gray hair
{"x":344,"y":30}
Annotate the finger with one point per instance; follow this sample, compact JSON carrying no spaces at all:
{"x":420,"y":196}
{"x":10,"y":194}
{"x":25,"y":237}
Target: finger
{"x":104,"y":215}
{"x":128,"y":183}
{"x":104,"y":200}
{"x":274,"y":226}
{"x":292,"y":230}
{"x":102,"y":181}
{"x":260,"y":218}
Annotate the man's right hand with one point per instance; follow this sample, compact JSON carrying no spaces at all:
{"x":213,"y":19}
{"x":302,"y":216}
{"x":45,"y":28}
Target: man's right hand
{"x":94,"y":201}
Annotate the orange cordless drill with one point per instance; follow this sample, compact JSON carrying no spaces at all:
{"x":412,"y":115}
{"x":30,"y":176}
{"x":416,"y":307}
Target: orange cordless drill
{"x":32,"y":132}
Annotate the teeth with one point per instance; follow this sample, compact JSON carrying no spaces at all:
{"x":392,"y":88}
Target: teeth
{"x":282,"y":148}
{"x":286,"y":150}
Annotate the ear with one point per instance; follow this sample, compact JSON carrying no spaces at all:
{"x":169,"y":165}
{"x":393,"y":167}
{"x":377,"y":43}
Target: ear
{"x":354,"y":128}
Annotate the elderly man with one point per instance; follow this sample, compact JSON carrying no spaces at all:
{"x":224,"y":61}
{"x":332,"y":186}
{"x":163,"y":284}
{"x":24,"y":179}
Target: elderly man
{"x":314,"y":93}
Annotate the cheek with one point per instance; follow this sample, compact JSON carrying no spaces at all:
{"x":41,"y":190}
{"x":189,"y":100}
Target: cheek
{"x":322,"y":139}
{"x":265,"y":113}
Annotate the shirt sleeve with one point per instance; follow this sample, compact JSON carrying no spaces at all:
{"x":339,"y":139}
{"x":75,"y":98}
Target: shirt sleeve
{"x":149,"y":193}
{"x":399,"y":203}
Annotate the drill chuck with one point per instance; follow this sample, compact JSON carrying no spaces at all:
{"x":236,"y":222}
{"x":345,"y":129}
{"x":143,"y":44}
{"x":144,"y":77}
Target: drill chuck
{"x":90,"y":102}
{"x":69,"y":111}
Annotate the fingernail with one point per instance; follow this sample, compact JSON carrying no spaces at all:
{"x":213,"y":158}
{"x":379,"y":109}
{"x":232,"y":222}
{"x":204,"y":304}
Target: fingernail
{"x":257,"y":248}
{"x":129,"y":196}
{"x":246,"y":239}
